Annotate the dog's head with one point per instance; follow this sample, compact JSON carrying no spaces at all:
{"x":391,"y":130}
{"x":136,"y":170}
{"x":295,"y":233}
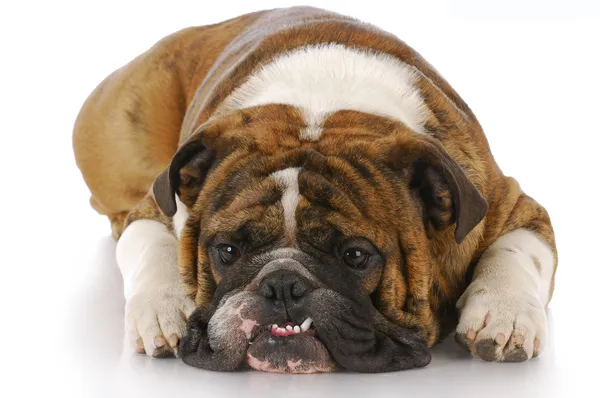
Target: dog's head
{"x":308,"y":255}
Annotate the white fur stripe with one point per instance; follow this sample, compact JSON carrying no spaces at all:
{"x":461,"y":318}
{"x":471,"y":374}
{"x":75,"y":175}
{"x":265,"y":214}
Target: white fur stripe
{"x":146,"y":253}
{"x":287,"y":180}
{"x":326,"y":78}
{"x":180,"y":217}
{"x":521,"y":252}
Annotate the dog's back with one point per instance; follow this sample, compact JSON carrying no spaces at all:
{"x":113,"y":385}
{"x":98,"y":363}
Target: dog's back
{"x":133,"y":122}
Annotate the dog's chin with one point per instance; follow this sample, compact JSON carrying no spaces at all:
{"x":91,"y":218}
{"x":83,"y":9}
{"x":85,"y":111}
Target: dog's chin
{"x":296,"y":353}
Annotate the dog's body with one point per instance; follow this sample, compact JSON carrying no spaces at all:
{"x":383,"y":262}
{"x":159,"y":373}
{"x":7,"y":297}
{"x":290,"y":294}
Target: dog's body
{"x":298,"y":132}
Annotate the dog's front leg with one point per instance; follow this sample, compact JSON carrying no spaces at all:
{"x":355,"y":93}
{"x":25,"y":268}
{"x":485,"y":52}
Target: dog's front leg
{"x":157,"y":306}
{"x":502,"y":312}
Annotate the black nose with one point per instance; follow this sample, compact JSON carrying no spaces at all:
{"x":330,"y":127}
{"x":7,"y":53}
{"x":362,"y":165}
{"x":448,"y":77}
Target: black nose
{"x":284,"y":286}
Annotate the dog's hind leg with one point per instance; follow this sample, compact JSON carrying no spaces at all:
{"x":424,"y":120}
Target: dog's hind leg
{"x":128,"y":129}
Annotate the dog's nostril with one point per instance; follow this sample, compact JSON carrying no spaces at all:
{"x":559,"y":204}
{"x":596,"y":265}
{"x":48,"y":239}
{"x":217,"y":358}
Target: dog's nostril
{"x":299,"y":290}
{"x":268,"y":291}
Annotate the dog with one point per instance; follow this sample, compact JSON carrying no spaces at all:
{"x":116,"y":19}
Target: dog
{"x":297,"y":191}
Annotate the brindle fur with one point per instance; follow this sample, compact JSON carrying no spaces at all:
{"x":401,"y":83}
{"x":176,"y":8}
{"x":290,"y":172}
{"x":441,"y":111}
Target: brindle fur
{"x":136,"y":119}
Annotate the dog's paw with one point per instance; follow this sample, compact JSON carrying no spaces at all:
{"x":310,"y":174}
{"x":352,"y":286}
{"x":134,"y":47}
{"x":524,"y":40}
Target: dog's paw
{"x":155,"y":320}
{"x":501,"y":324}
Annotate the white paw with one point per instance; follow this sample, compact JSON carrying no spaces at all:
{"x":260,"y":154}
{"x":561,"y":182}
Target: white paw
{"x":501,"y":323}
{"x":155,"y":319}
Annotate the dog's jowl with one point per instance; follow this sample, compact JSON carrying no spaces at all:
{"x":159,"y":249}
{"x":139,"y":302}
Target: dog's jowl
{"x":296,"y":191}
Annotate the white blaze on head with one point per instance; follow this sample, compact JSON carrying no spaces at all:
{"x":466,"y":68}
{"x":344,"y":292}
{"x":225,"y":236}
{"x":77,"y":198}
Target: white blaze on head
{"x":180,"y":217}
{"x":287,"y":180}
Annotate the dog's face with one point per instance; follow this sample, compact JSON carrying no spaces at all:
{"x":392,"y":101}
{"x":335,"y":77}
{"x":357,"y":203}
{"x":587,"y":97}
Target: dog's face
{"x":307,"y":256}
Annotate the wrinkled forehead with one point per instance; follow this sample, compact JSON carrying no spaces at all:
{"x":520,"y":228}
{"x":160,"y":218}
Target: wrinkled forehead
{"x":288,"y":184}
{"x":323,"y":199}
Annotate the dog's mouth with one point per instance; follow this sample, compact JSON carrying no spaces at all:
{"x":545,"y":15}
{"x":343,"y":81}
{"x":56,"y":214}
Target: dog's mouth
{"x":338,"y":334}
{"x":289,"y":348}
{"x":240,"y":334}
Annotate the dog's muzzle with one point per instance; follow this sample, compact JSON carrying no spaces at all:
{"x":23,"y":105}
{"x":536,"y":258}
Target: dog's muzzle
{"x":286,"y":320}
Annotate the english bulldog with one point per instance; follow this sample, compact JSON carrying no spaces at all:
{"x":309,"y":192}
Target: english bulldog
{"x":297,"y":191}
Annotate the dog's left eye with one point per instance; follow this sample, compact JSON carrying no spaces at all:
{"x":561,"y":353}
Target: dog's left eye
{"x":228,"y":254}
{"x":355,"y":257}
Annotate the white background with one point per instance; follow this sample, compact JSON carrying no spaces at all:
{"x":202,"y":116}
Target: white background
{"x":529,"y":70}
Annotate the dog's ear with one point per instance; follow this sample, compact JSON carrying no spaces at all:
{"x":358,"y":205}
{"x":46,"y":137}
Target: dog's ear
{"x":190,"y":165}
{"x":447,"y":194}
{"x":184,"y":176}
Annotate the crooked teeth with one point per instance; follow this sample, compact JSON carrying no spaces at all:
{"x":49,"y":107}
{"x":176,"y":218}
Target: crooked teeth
{"x":289,"y":329}
{"x":306,"y":324}
{"x":276,"y":329}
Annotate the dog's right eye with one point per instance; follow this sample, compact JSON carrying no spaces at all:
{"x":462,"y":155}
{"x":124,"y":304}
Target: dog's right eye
{"x":228,"y":253}
{"x":355,"y":257}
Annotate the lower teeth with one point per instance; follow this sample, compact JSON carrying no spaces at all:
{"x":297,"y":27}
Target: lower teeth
{"x":291,"y":329}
